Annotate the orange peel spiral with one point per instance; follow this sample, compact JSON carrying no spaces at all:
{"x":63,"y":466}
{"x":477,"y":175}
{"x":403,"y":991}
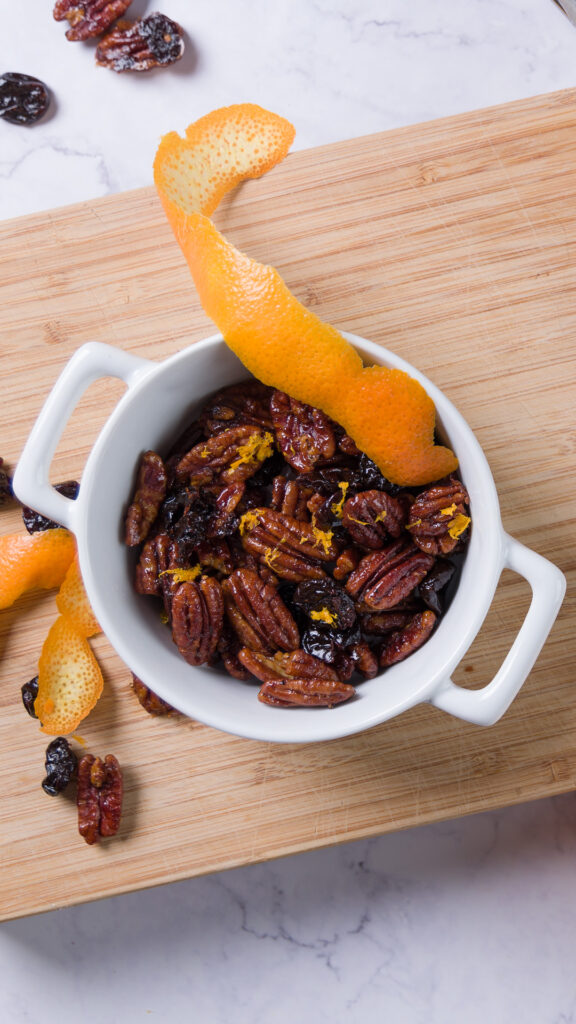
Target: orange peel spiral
{"x":387,"y":413}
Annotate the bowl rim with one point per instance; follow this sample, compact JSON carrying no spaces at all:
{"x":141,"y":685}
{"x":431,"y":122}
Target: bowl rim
{"x":432,"y":664}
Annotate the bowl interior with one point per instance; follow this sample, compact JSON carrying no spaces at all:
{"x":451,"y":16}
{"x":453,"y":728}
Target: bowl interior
{"x":151,"y":415}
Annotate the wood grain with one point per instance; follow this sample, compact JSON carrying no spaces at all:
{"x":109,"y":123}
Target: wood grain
{"x":454,"y":244}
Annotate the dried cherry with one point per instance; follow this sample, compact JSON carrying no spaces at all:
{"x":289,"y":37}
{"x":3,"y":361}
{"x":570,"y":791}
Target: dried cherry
{"x":35,"y":522}
{"x":6,"y":493}
{"x":23,"y":99}
{"x":439,"y":576}
{"x":29,"y":694}
{"x":61,"y":766}
{"x":326,"y":603}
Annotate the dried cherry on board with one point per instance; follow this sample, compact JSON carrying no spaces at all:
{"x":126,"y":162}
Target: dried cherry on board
{"x":35,"y":522}
{"x":61,"y":766}
{"x":23,"y":99}
{"x":5,"y":484}
{"x":29,"y":694}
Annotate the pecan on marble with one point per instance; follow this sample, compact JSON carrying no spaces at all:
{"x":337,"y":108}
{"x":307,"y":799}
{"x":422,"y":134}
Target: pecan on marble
{"x":88,"y":18}
{"x":386,"y":577}
{"x":372,"y":516}
{"x":285,"y":665}
{"x":148,"y":497}
{"x":400,"y":644}
{"x":229,"y":457}
{"x":237,"y":405}
{"x":293,"y":549}
{"x":99,"y":797}
{"x":439,"y":517}
{"x":304,"y":434}
{"x":258,"y":614}
{"x":149,"y":700}
{"x":150,"y":42}
{"x":197,"y":619}
{"x":310,"y":693}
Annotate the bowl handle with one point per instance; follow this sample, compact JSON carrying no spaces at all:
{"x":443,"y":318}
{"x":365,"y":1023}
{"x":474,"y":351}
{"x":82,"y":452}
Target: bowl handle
{"x":31,"y":479}
{"x":486,"y":706}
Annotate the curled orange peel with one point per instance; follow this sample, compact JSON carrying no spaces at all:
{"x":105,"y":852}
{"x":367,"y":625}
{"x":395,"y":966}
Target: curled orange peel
{"x":72,"y":601}
{"x":387,"y":413}
{"x":33,"y":561}
{"x":69,"y":679}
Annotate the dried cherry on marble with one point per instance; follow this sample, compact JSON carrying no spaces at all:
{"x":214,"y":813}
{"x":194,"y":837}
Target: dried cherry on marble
{"x":23,"y":99}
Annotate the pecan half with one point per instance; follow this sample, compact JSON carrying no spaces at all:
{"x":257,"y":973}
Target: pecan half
{"x":372,"y":516}
{"x":438,"y":517}
{"x":365,"y":659}
{"x":231,"y":456}
{"x":197,"y":616}
{"x":408,"y":639}
{"x":246,"y":403}
{"x":99,"y":797}
{"x":290,"y":547}
{"x":293,"y":665}
{"x":158,"y":569}
{"x":148,"y":497}
{"x":290,"y":498}
{"x":345,"y":563}
{"x":258,"y":614}
{"x":381,"y":623}
{"x":149,"y":700}
{"x":386,"y":577}
{"x":304,"y":434}
{"x":310,"y":693}
{"x":89,"y":17}
{"x":150,"y":42}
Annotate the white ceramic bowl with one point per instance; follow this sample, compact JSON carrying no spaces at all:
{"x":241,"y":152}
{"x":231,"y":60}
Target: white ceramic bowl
{"x":160,"y":400}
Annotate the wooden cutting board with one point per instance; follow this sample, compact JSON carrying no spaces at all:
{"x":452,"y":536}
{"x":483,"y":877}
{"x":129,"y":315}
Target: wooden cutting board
{"x":452,"y":243}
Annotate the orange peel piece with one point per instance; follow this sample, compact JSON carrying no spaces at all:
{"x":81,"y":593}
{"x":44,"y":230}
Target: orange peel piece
{"x":388,"y":414}
{"x":69,"y":679}
{"x":72,"y":601}
{"x":33,"y":561}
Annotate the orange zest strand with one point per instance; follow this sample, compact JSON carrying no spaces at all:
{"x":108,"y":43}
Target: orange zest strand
{"x":387,"y":413}
{"x":72,"y":601}
{"x":69,"y":679}
{"x":33,"y":561}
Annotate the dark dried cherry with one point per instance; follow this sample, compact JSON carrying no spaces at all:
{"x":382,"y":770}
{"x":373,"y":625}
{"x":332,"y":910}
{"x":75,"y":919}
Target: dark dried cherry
{"x":35,"y":522}
{"x":439,"y":576}
{"x":29,"y":694}
{"x":6,"y":493}
{"x":326,"y":603}
{"x":23,"y":99}
{"x":61,"y":766}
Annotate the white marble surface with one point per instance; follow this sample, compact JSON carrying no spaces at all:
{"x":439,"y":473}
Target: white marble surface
{"x":469,"y":922}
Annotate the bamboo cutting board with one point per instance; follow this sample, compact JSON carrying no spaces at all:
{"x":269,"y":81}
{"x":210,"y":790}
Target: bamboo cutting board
{"x":452,"y":243}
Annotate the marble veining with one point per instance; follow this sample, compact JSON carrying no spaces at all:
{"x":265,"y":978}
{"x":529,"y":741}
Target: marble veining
{"x":466,"y":922}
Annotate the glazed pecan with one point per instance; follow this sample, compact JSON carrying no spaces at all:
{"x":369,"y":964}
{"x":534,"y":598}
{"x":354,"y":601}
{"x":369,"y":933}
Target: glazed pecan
{"x":150,"y":42}
{"x":345,"y":563}
{"x":197,"y":616}
{"x":290,"y":497}
{"x":310,"y":693}
{"x":247,"y":403}
{"x":365,"y":659}
{"x":148,"y":497}
{"x":89,"y":17}
{"x":292,"y":665}
{"x":228,"y":457}
{"x":149,"y":700}
{"x":438,"y":517}
{"x":216,"y":555}
{"x":228,"y":649}
{"x":304,"y":435}
{"x":380,"y":623}
{"x":408,"y":639}
{"x":99,"y":797}
{"x":291,"y":548}
{"x":158,"y":568}
{"x":372,"y":516}
{"x":384,"y":578}
{"x":258,"y":614}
